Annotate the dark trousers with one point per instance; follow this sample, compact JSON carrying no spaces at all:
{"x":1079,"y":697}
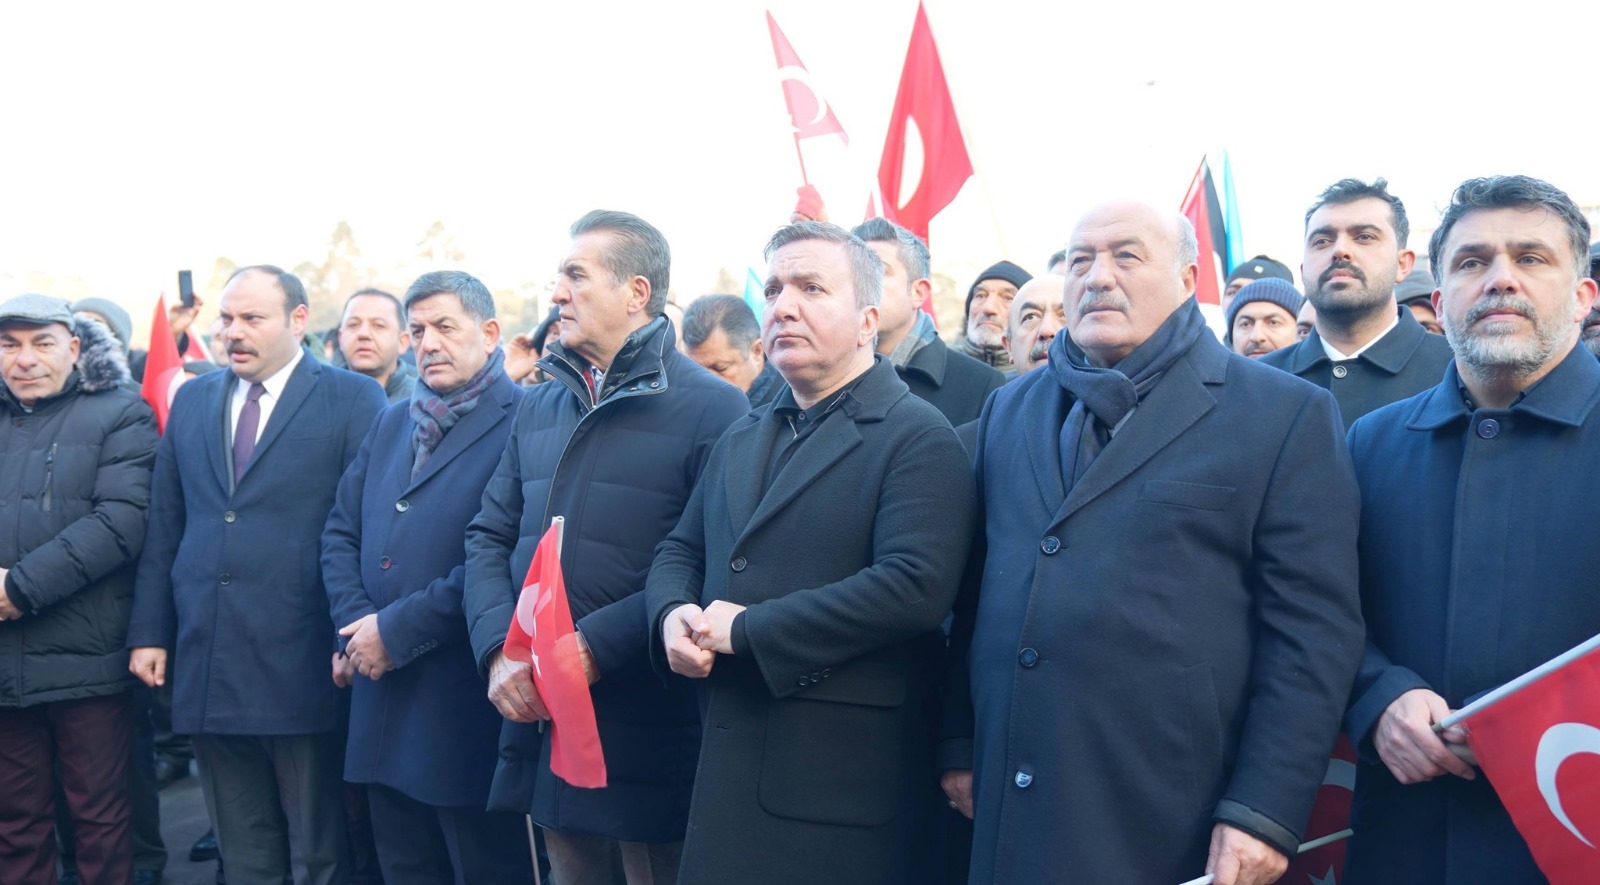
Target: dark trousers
{"x":262,"y":793}
{"x":144,"y":798}
{"x":582,"y":859}
{"x":421,"y":844}
{"x":90,"y":741}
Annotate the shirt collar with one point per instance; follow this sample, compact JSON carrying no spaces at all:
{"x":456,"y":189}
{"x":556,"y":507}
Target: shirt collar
{"x":1334,"y":354}
{"x":1565,"y":396}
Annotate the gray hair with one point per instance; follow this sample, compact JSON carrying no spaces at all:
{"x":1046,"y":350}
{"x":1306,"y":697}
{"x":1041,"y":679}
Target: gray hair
{"x":1188,"y":245}
{"x":729,"y":313}
{"x":637,"y":249}
{"x":866,"y":268}
{"x":913,"y":251}
{"x":1512,"y":192}
{"x":474,"y":295}
{"x":294,"y":291}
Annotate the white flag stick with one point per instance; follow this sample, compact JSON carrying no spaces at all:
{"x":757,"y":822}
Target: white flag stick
{"x":559,"y":523}
{"x":1519,"y":683}
{"x":1329,"y":839}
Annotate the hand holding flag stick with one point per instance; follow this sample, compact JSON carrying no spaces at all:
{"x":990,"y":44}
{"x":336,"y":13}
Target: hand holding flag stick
{"x":1329,"y":839}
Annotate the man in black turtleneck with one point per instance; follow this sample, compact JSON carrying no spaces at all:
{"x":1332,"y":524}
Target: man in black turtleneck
{"x":1161,"y":619}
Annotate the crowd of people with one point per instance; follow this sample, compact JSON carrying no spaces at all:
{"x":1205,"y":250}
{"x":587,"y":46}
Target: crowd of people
{"x":1084,"y":594}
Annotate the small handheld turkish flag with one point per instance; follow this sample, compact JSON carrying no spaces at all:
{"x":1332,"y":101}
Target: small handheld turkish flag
{"x":163,"y":368}
{"x":542,"y":636}
{"x":1540,"y":747}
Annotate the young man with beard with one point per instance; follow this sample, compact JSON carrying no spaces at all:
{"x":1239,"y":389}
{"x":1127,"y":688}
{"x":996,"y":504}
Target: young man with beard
{"x":1475,"y":558}
{"x":1366,"y":349}
{"x":1261,"y":318}
{"x":1591,"y":322}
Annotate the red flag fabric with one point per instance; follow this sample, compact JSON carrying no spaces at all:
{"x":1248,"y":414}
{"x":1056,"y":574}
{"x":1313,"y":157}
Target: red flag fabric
{"x":1331,"y":813}
{"x":542,"y":636}
{"x":1540,"y":748}
{"x":923,"y":121}
{"x":807,"y":108}
{"x":1204,"y":211}
{"x":163,"y":369}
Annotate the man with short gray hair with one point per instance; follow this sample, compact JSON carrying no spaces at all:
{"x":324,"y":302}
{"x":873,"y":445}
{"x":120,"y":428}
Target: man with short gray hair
{"x":614,"y":443}
{"x":1159,"y":621}
{"x":722,"y":333}
{"x":425,"y":748}
{"x":803,"y":590}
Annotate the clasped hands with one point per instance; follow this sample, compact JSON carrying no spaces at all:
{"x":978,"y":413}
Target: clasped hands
{"x":693,"y":637}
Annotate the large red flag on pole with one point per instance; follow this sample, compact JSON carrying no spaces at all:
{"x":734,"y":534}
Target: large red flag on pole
{"x":163,"y":368}
{"x":542,"y":636}
{"x":923,"y":122}
{"x":1204,"y":210}
{"x":1538,"y":740}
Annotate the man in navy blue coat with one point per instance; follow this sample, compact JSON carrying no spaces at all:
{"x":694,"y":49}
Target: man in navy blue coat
{"x":1478,"y":510}
{"x":423,"y":736}
{"x":614,"y":443}
{"x":1160,"y":622}
{"x":230,"y":582}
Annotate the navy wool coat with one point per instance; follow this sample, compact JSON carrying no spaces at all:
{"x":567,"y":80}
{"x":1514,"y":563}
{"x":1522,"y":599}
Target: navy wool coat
{"x":1478,"y":563}
{"x":230,"y":580}
{"x":1165,"y":647}
{"x":817,"y":764}
{"x":394,"y":546}
{"x":620,"y":472}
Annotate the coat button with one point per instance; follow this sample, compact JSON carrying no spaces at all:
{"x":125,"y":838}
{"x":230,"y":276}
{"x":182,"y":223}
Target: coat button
{"x":804,"y":682}
{"x":1488,"y":428}
{"x":738,"y":564}
{"x":1050,"y":545}
{"x":1024,"y":780}
{"x":226,"y":579}
{"x":385,"y":562}
{"x":230,"y":516}
{"x":1028,"y":657}
{"x":1340,"y":371}
{"x":654,"y":384}
{"x":402,"y":505}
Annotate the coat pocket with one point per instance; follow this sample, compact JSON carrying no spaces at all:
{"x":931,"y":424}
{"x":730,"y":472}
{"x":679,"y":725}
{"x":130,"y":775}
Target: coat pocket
{"x":833,"y":754}
{"x":1186,"y":494}
{"x":1205,"y":727}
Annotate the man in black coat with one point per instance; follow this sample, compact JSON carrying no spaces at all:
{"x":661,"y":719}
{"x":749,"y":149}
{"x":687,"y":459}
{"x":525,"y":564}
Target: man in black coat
{"x":614,"y":443}
{"x":805,"y":586}
{"x":1367,"y":349}
{"x":954,"y":383}
{"x":1160,"y":620}
{"x":76,"y":448}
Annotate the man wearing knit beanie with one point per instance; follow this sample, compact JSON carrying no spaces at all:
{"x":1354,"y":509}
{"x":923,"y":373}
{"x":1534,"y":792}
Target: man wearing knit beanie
{"x":1261,"y":318}
{"x":987,"y":309}
{"x":1415,"y":292}
{"x":110,"y":314}
{"x":1258,"y":268}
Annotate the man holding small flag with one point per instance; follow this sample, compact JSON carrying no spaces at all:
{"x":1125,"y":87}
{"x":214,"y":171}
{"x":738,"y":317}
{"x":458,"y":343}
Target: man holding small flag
{"x":614,"y":445}
{"x":1477,"y":555}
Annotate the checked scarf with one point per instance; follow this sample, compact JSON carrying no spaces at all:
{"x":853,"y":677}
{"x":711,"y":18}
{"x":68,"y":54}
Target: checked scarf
{"x":435,"y":415}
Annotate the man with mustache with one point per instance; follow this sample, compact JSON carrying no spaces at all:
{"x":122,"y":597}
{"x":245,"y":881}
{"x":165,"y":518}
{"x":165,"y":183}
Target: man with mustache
{"x":1475,"y":560}
{"x":988,"y":305}
{"x":1261,"y":317}
{"x":1159,"y":621}
{"x":1367,"y":349}
{"x":230,"y":585}
{"x":1036,"y":317}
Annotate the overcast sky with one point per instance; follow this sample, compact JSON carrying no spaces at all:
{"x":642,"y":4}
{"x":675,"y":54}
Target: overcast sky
{"x":142,"y":138}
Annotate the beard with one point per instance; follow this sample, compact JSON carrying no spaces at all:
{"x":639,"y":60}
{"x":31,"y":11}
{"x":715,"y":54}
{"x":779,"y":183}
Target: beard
{"x":1590,"y":336}
{"x":1493,"y":352}
{"x":1366,"y":297}
{"x":985,"y":337}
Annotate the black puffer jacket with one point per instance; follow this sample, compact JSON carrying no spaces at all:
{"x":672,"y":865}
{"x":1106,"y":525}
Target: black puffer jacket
{"x":74,"y":496}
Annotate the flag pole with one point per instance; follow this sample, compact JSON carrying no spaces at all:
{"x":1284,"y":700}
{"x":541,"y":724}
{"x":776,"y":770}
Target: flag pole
{"x":804,"y":178}
{"x":1329,"y":839}
{"x":1519,"y":683}
{"x":559,"y":523}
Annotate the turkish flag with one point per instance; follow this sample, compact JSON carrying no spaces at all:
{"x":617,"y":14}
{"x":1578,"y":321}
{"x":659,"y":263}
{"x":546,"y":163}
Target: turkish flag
{"x":807,"y":108}
{"x":923,"y":122}
{"x":1540,"y":747}
{"x":1204,"y":211}
{"x":163,"y":369}
{"x":542,"y":636}
{"x":1324,"y":865}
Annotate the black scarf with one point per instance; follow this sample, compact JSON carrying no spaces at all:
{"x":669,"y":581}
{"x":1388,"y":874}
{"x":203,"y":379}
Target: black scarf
{"x":1102,"y":399}
{"x":435,"y":415}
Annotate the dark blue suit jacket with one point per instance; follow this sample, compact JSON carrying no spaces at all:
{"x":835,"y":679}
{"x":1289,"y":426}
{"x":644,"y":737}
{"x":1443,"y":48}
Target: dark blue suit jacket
{"x":393,"y":546}
{"x":230,"y":579}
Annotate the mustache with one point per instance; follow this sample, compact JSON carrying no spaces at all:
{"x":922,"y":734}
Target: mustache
{"x":433,"y":359}
{"x":1514,"y":303}
{"x":1345,"y":266}
{"x":1103,"y":300}
{"x":239,"y":347}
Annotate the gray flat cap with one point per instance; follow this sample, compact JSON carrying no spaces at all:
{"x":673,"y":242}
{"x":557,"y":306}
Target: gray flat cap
{"x":40,"y":310}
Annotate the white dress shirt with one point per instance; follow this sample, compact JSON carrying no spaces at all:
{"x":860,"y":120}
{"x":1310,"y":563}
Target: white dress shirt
{"x":1336,"y":356}
{"x":274,"y":386}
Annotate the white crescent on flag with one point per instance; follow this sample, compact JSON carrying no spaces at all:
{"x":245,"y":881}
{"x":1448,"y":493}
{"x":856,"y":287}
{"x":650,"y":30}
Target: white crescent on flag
{"x":1561,"y":742}
{"x":911,"y":163}
{"x":803,"y":77}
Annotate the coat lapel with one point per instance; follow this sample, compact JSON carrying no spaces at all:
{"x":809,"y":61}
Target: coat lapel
{"x":220,"y":449}
{"x":1044,"y":409}
{"x":301,"y":382}
{"x":490,"y":411}
{"x":1177,"y":401}
{"x":749,"y":446}
{"x":827,"y":444}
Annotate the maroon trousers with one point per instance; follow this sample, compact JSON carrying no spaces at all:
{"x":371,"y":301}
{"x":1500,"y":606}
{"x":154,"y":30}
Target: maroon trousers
{"x":92,"y":741}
